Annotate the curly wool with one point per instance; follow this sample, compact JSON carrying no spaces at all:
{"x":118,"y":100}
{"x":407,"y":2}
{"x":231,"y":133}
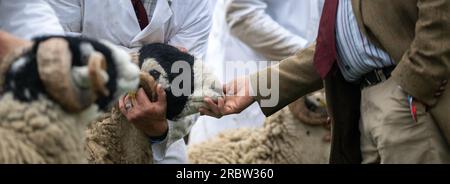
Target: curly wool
{"x":282,"y":140}
{"x":113,"y":140}
{"x":40,"y":132}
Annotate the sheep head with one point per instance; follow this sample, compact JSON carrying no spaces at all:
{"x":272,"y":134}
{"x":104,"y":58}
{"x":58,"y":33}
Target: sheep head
{"x":311,"y":109}
{"x":74,"y":72}
{"x":184,"y":79}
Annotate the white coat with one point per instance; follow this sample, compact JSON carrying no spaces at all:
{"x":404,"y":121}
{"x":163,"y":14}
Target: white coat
{"x":183,"y":23}
{"x":28,"y":18}
{"x":254,"y":31}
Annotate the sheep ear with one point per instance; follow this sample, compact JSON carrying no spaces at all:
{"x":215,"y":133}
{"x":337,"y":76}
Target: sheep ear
{"x":98,"y":76}
{"x":148,"y":83}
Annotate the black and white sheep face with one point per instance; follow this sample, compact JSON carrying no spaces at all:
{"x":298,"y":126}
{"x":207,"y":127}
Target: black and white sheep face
{"x":74,"y":72}
{"x":184,"y":78}
{"x":316,"y":102}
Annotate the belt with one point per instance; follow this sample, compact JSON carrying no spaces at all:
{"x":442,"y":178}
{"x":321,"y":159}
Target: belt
{"x":376,"y":76}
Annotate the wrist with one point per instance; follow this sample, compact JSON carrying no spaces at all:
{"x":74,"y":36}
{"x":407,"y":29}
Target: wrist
{"x":158,"y":139}
{"x":157,"y":130}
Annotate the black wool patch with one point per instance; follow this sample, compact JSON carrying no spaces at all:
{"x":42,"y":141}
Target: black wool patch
{"x":26,"y":80}
{"x":166,"y":56}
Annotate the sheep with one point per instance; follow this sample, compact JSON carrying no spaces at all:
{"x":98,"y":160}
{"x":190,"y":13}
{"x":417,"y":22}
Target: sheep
{"x":51,"y":91}
{"x":158,"y":62}
{"x":282,"y":140}
{"x":112,"y":139}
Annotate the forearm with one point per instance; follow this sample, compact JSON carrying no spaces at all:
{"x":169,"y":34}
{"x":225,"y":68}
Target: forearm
{"x":9,"y":43}
{"x":296,"y":78}
{"x":425,"y":66}
{"x":29,"y":18}
{"x":249,"y":22}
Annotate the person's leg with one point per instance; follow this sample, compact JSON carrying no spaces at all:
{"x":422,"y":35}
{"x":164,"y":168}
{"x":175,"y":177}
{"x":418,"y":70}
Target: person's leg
{"x":368,"y":147}
{"x":387,"y":125}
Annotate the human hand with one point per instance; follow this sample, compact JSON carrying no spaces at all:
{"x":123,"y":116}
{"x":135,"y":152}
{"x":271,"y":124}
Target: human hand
{"x":237,"y":98}
{"x":327,"y":137}
{"x":150,"y":117}
{"x":182,"y":49}
{"x":439,"y":92}
{"x":9,"y":43}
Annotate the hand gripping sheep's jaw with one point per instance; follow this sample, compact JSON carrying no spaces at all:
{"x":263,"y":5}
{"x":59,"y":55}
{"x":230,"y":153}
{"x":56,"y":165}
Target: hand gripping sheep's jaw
{"x":206,"y":84}
{"x":76,"y":73}
{"x":157,"y":62}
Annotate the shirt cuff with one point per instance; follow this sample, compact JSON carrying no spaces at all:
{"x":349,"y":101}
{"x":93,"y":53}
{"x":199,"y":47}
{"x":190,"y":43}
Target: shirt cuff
{"x":160,"y":145}
{"x":176,"y":132}
{"x":159,"y":150}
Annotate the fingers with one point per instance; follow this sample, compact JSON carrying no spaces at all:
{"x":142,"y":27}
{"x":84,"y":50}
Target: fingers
{"x":11,"y":43}
{"x":206,"y":112}
{"x":161,"y":95}
{"x":182,"y":49}
{"x":327,"y":137}
{"x":328,"y":124}
{"x":212,"y":106}
{"x":142,"y":98}
{"x":211,"y":109}
{"x":228,"y":109}
{"x":221,"y":106}
{"x":122,"y":105}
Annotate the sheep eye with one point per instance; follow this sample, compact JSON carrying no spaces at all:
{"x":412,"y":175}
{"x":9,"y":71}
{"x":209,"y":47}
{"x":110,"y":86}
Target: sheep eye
{"x":155,"y":74}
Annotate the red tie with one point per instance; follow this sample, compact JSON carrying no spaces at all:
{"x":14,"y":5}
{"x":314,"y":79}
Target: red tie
{"x":325,"y":55}
{"x":141,"y":13}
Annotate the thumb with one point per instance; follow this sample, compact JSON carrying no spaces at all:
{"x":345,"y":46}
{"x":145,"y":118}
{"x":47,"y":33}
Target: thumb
{"x":161,"y":95}
{"x":141,"y":97}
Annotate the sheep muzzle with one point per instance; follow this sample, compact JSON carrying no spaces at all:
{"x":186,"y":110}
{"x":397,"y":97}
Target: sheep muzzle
{"x":148,"y":83}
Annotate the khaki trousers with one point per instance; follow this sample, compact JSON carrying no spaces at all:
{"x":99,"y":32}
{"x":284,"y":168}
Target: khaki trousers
{"x":390,"y":135}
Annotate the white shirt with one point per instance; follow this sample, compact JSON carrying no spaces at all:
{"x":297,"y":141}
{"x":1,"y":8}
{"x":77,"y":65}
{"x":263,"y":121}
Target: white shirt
{"x":357,"y":54}
{"x":183,"y":23}
{"x":28,"y":18}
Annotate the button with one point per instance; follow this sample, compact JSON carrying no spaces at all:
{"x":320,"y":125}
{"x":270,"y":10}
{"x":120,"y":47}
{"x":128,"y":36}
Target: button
{"x":444,"y":82}
{"x":438,"y":94}
{"x":442,"y":88}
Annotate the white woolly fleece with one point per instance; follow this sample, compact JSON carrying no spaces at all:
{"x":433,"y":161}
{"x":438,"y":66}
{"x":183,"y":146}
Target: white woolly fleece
{"x":41,"y":132}
{"x":127,"y":71}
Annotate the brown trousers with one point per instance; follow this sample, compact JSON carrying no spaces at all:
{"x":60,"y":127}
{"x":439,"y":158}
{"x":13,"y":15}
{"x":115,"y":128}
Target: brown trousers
{"x":389,"y":133}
